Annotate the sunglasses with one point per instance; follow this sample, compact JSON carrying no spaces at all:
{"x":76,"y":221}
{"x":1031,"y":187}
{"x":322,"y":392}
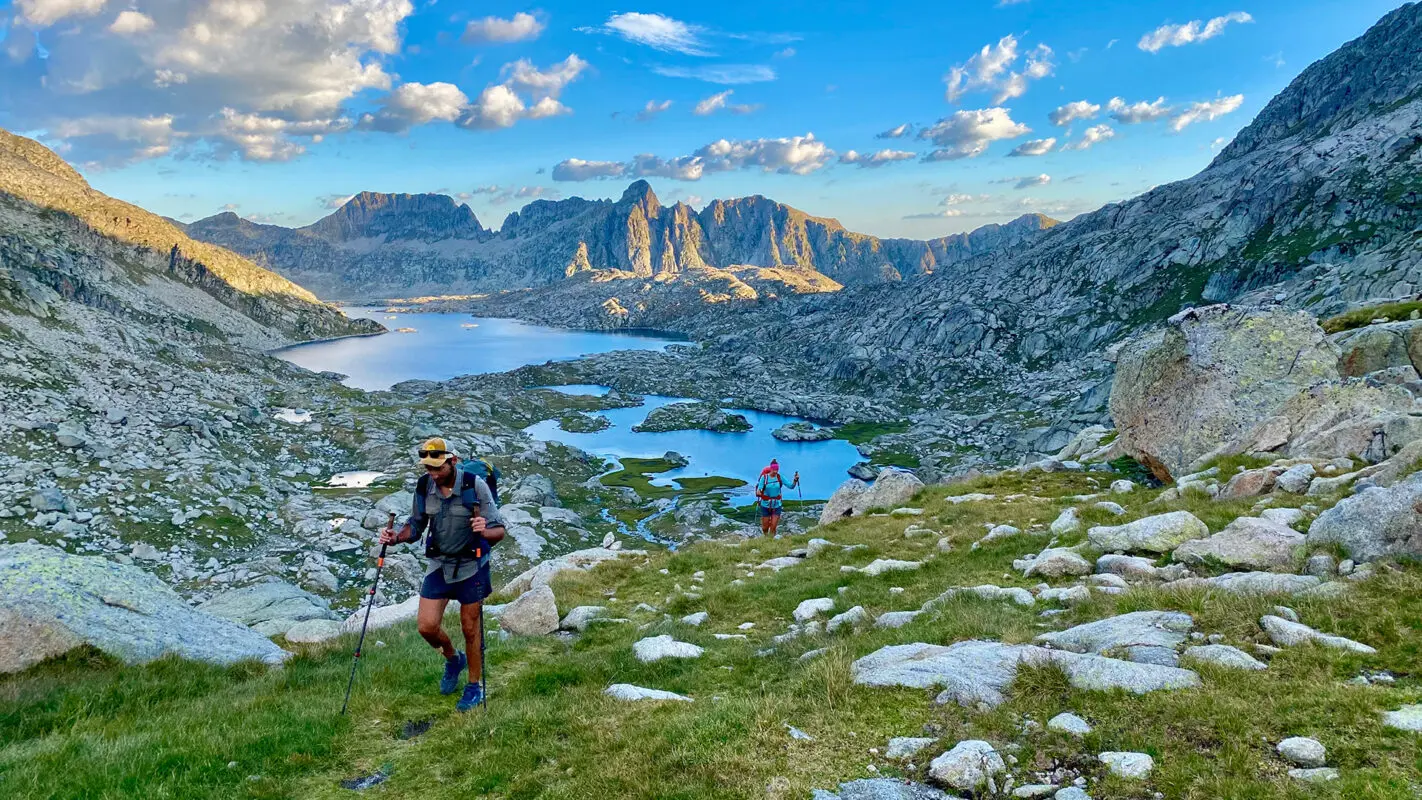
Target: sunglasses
{"x":433,"y":453}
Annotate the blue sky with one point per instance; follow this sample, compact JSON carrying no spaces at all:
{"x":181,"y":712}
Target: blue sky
{"x":279,"y":109}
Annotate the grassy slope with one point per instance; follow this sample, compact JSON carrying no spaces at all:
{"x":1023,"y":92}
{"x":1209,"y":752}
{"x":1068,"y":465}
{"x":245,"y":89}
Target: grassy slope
{"x":81,"y":728}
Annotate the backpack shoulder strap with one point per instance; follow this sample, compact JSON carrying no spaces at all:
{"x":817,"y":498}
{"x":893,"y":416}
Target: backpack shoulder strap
{"x":468,"y":491}
{"x":422,"y":485}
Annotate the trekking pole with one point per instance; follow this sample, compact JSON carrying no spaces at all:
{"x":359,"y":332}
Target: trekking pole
{"x":483,"y":658}
{"x":355,"y":662}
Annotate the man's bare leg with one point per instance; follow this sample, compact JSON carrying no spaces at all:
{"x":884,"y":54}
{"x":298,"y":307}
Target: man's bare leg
{"x":431,"y":615}
{"x":469,"y":621}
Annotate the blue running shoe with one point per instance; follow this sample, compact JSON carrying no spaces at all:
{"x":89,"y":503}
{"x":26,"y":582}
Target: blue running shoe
{"x":453,"y":668}
{"x":473,"y":696}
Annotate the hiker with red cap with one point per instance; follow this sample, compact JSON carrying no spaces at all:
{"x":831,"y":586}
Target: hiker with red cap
{"x":768,"y":490}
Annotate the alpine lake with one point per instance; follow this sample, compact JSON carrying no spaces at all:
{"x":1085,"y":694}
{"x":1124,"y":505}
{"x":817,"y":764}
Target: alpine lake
{"x":439,"y":346}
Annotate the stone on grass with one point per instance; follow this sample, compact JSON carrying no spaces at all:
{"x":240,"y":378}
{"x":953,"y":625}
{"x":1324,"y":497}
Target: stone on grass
{"x":1222,"y":655}
{"x":883,"y":565}
{"x":1136,"y":766}
{"x":967,"y":766}
{"x":987,"y":591}
{"x":882,"y":789}
{"x":1284,"y":516}
{"x":1066,"y":595}
{"x":1262,"y":583}
{"x":1148,"y":637}
{"x":1250,"y":543}
{"x":852,"y":618}
{"x":1375,"y":523}
{"x":892,"y":488}
{"x":1315,"y":775}
{"x":896,"y":619}
{"x":313,"y":630}
{"x":270,"y":608}
{"x":1157,"y":534}
{"x":1058,"y":562}
{"x":1302,"y":751}
{"x":1136,"y":568}
{"x":1122,"y":486}
{"x":54,"y":601}
{"x":543,"y":573}
{"x":628,"y":692}
{"x":534,"y":613}
{"x":386,"y":616}
{"x":903,"y":747}
{"x":696,"y":619}
{"x":1291,"y":634}
{"x":1067,"y":722}
{"x":1069,"y":521}
{"x":1295,"y":479}
{"x":1407,"y":718}
{"x":1071,"y":793}
{"x":580,"y":618}
{"x":656,"y":648}
{"x":1114,"y":509}
{"x":809,"y":609}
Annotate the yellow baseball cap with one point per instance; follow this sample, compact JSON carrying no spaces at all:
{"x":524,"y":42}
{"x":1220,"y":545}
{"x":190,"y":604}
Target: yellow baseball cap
{"x":434,"y":452}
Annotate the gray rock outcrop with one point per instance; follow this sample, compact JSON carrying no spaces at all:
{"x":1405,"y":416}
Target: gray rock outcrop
{"x":1375,"y":523}
{"x":1158,"y":534}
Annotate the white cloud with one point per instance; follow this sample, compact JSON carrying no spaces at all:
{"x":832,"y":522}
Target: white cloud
{"x":718,"y":102}
{"x":1031,"y":180}
{"x":989,"y":69}
{"x":146,"y":137}
{"x":894,"y":133}
{"x":1080,"y":109}
{"x":128,"y":23}
{"x":413,"y":104}
{"x":1135,"y":113}
{"x":499,"y":106}
{"x":334,"y":201}
{"x":1205,"y":112}
{"x":788,"y":52}
{"x":657,"y":31}
{"x":1035,"y":147}
{"x":294,"y":61}
{"x":877,"y":159}
{"x":794,"y":155}
{"x":967,"y":134}
{"x":1191,"y":32}
{"x":725,"y":74}
{"x":652,"y":108}
{"x":946,"y":213}
{"x":43,"y":13}
{"x":522,"y":193}
{"x":576,"y":169}
{"x":1091,"y":136}
{"x":524,"y":75}
{"x":959,"y":199}
{"x":264,"y":138}
{"x":492,"y":30}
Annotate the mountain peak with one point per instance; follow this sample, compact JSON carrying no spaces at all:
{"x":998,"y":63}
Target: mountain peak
{"x":422,"y":217}
{"x":638,"y":192}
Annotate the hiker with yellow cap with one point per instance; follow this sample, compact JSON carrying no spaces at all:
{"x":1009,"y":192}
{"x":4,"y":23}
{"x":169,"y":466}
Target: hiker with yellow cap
{"x":455,"y":511}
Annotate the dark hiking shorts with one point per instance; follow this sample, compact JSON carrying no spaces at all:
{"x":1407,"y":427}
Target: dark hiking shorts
{"x":469,"y":590}
{"x":769,"y":513}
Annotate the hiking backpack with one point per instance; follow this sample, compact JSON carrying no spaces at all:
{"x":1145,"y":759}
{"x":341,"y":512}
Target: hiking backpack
{"x":485,"y":470}
{"x":762,"y":487}
{"x":480,"y":548}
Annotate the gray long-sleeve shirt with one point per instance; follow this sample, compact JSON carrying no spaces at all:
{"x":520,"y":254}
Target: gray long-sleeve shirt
{"x":447,"y":519}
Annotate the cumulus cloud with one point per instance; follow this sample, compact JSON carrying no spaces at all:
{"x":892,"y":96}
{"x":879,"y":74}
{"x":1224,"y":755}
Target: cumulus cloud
{"x":1191,"y":32}
{"x":652,"y":108}
{"x":657,"y":31}
{"x":499,"y":106}
{"x":493,"y":30}
{"x":877,"y":159}
{"x":1069,"y":113}
{"x":794,"y":155}
{"x":256,"y":137}
{"x":724,"y":74}
{"x":990,"y":70}
{"x":1029,"y":181}
{"x":895,"y":133}
{"x":946,"y":213}
{"x":1135,"y":113}
{"x":1092,"y":136}
{"x":1035,"y":147}
{"x":967,"y":134}
{"x":413,"y":104}
{"x":334,"y":201}
{"x":719,"y":102}
{"x":297,"y":61}
{"x":1205,"y":112}
{"x":128,"y":23}
{"x":145,"y":137}
{"x":957,"y":199}
{"x":43,"y":13}
{"x":522,"y":74}
{"x":576,"y":169}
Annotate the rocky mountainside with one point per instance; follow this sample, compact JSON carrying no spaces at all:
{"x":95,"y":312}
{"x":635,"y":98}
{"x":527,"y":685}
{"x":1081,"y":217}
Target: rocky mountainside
{"x":60,"y":238}
{"x":393,"y":245}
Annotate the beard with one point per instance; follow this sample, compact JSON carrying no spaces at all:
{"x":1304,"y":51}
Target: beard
{"x":445,"y":477}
